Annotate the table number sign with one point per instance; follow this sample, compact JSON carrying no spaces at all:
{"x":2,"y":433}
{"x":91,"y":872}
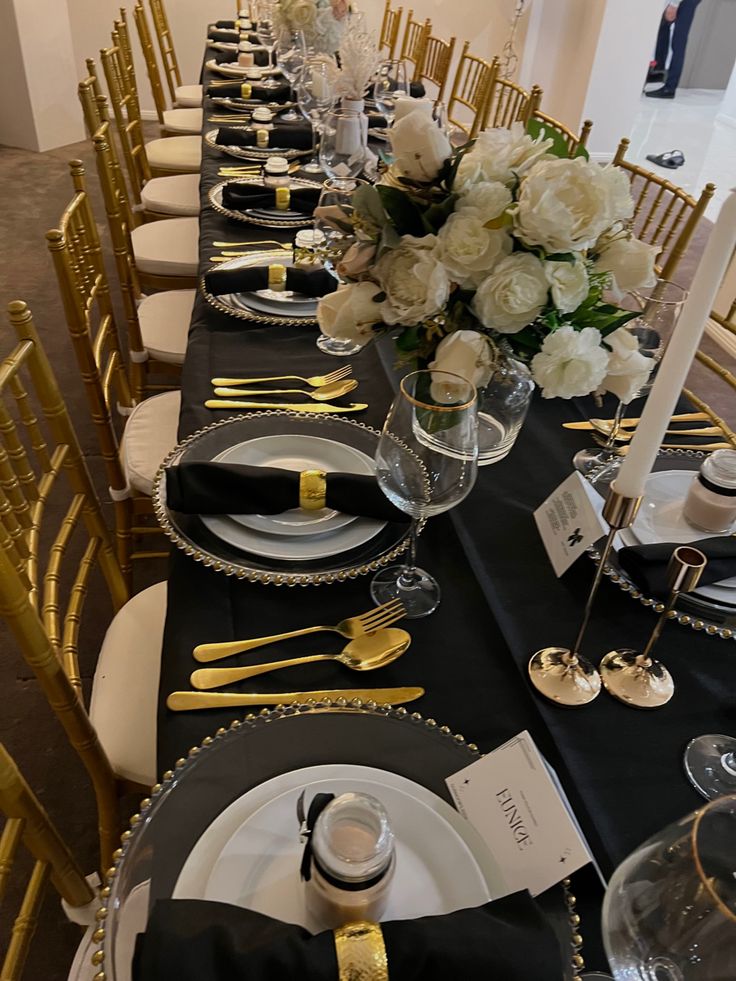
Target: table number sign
{"x":568,"y":523}
{"x":511,"y":799}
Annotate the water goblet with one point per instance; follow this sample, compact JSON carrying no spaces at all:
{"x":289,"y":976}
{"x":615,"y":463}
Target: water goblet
{"x":315,"y":94}
{"x":391,"y":83}
{"x":267,"y":32}
{"x":342,"y":145}
{"x":291,"y":53}
{"x":710,"y":764}
{"x":426,"y":463}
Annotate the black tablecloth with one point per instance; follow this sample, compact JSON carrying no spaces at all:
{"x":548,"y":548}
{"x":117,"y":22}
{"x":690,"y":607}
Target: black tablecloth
{"x":621,"y":767}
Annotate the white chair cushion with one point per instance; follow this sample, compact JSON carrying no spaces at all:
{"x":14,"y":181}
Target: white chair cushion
{"x":124,"y":700}
{"x":188,"y":95}
{"x":183,"y":120}
{"x":169,"y":247}
{"x":150,"y":435}
{"x":180,"y":154}
{"x":164,"y":320}
{"x":175,"y":195}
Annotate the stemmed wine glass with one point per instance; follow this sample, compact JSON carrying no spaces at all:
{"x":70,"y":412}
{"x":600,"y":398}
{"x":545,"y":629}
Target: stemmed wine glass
{"x":670,"y":908}
{"x":660,"y":307}
{"x":315,"y":93}
{"x":342,"y":146}
{"x":291,"y":53}
{"x":267,"y":32}
{"x":391,"y":83}
{"x":710,"y":764}
{"x":426,"y":463}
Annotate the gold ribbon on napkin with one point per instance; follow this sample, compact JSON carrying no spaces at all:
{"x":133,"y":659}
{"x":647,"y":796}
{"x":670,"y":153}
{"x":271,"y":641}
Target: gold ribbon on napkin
{"x":262,"y":138}
{"x":245,"y":90}
{"x":283,"y":198}
{"x":312,"y":488}
{"x":361,"y":952}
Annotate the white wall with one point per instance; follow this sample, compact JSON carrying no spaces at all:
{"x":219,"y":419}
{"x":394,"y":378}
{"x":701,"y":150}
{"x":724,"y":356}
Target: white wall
{"x":727,"y":110}
{"x":16,"y":117}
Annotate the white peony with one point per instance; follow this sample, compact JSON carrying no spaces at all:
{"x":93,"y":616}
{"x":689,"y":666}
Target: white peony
{"x":571,"y":363}
{"x":629,"y":262}
{"x":566,"y":205}
{"x":500,"y":155}
{"x":628,"y":369}
{"x":568,"y":282}
{"x":468,"y":249}
{"x":414,"y":280}
{"x":487,"y":199}
{"x":350,"y":313}
{"x":419,"y":147}
{"x":466,"y":353}
{"x":513,"y":295}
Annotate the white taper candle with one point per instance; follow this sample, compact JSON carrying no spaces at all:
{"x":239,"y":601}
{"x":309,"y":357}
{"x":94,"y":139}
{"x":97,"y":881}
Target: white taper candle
{"x":679,"y":355}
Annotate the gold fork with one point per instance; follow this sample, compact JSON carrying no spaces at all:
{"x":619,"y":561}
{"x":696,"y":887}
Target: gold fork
{"x":380,"y":616}
{"x":261,"y":241}
{"x":324,"y":394}
{"x":316,"y":381}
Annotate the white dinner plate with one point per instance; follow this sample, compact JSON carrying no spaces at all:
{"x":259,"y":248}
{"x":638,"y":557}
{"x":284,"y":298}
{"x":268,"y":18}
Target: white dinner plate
{"x":249,"y":855}
{"x":660,"y":517}
{"x":298,"y":452}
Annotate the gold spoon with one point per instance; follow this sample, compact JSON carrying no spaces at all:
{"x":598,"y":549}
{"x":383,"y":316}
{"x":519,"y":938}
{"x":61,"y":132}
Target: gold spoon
{"x":324,"y":394}
{"x":365,"y":653}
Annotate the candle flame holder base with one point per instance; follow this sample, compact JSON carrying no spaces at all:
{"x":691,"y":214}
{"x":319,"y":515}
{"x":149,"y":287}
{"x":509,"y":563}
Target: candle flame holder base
{"x":636,"y":679}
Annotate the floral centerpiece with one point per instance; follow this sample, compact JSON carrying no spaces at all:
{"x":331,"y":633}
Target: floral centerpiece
{"x":504,"y":239}
{"x":322,"y":21}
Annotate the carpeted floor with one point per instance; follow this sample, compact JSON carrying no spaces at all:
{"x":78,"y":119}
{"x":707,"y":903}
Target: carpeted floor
{"x":34,"y":188}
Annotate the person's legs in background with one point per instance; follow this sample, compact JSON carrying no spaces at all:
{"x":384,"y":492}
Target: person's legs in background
{"x":662,"y":50}
{"x":680,"y":33}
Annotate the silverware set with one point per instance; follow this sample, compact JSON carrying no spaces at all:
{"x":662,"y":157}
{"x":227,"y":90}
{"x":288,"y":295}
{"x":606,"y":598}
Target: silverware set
{"x":228,"y":250}
{"x":232,"y":395}
{"x":603,"y":430}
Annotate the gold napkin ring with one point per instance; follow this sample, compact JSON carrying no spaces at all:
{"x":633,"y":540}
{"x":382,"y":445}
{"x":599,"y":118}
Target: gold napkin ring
{"x":361,"y":952}
{"x":245,"y":90}
{"x":277,"y":277}
{"x":283,"y":198}
{"x":262,"y":138}
{"x":312,"y":490}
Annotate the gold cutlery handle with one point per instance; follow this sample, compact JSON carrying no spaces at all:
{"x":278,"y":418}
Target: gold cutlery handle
{"x":288,"y":406}
{"x":635,"y":420}
{"x":206,"y":678}
{"x":250,"y":381}
{"x":213,"y":652}
{"x":237,"y":392}
{"x":184,"y":701}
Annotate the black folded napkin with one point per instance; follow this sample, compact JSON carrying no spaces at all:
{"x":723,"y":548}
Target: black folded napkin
{"x":193,"y":940}
{"x":375,"y":119}
{"x":280,"y":137}
{"x":314,"y":283}
{"x":277,"y":93}
{"x":225,"y":25}
{"x":229,"y":36}
{"x":245,"y":197}
{"x":417,"y":90}
{"x":260,"y":59}
{"x":647,"y":564}
{"x":232,"y":488}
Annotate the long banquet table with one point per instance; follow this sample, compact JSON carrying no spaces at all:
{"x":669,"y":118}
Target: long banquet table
{"x":621,"y":767}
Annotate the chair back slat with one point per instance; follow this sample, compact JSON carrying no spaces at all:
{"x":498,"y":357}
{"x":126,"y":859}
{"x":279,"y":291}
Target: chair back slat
{"x":149,"y":55}
{"x":549,"y":125}
{"x":166,"y":47}
{"x":437,"y":59}
{"x":414,"y":44}
{"x":390,"y":25}
{"x":470,"y":90}
{"x":128,"y":122}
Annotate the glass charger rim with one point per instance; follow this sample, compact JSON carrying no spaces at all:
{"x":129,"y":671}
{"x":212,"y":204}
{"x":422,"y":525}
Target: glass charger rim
{"x":252,"y":153}
{"x":247,"y":568}
{"x":696,"y":613}
{"x":298,"y":221}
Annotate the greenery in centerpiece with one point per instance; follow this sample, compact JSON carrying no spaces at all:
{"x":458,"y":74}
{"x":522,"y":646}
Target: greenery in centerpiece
{"x":506,"y":238}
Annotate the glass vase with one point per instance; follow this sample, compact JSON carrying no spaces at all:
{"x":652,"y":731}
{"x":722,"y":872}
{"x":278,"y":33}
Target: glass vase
{"x":502,"y":407}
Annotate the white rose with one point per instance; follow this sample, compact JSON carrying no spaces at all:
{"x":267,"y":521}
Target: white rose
{"x":630,"y":264}
{"x":618,"y":189}
{"x":628,"y":369}
{"x":488,"y":199}
{"x":513,"y":295}
{"x":419,"y":147}
{"x":565,"y":205}
{"x":571,"y":363}
{"x":350,"y":313}
{"x":500,"y":155}
{"x":469,"y":250}
{"x":568,"y":282}
{"x":466,"y":353}
{"x":414,"y":280}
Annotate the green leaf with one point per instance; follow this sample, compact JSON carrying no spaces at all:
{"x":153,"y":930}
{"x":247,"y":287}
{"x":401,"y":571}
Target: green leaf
{"x":437,"y":214}
{"x":408,"y":339}
{"x":536,"y":128}
{"x":367,"y":202}
{"x":581,"y":152}
{"x":404,"y":214}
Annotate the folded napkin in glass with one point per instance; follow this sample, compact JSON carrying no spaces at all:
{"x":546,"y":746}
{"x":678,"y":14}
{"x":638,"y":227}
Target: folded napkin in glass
{"x":247,"y":197}
{"x":647,"y":564}
{"x":276,"y":93}
{"x":235,"y":488}
{"x":280,"y":137}
{"x":248,"y":279}
{"x":193,"y":940}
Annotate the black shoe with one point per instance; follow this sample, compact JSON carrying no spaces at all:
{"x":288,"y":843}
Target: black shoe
{"x":662,"y":93}
{"x":655,"y":75}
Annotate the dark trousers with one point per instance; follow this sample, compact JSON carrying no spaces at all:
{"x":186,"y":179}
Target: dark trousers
{"x":677,"y":33}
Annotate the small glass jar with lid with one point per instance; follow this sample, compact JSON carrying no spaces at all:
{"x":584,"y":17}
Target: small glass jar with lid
{"x":711,"y":501}
{"x":276,"y":172}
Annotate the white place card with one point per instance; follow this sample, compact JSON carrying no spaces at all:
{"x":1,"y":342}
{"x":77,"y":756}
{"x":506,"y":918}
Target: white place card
{"x":511,"y":800}
{"x":568,"y":523}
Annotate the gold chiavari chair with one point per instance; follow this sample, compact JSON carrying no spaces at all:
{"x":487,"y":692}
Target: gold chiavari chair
{"x":470,"y":90}
{"x":664,"y":214}
{"x":507,"y":102}
{"x":414,"y":44}
{"x":150,"y":426}
{"x":182,"y":96}
{"x":43,"y":589}
{"x":160,"y":197}
{"x":547,"y":127}
{"x":172,"y":121}
{"x":437,"y":59}
{"x":27,"y":823}
{"x":390,"y":29}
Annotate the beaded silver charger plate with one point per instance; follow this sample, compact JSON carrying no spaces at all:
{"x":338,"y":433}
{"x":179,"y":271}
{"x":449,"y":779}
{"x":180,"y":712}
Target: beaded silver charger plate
{"x":270,"y":218}
{"x":252,"y":152}
{"x":693,"y":610}
{"x":236,"y":759}
{"x":190,"y":534}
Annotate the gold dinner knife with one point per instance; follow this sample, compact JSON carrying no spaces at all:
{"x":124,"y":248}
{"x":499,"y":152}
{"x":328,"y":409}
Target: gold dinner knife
{"x":588,"y":426}
{"x":289,"y":406}
{"x":184,"y":701}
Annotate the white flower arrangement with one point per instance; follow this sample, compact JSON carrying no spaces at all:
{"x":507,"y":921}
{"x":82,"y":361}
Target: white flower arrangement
{"x":508,"y":238}
{"x":359,"y":60}
{"x":322,"y":21}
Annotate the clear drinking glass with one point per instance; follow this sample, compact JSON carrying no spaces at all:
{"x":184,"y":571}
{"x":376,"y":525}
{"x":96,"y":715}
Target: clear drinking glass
{"x":291,"y":53}
{"x":391,"y":82}
{"x":660,"y":307}
{"x":315,"y":94}
{"x":342,"y":145}
{"x":710,"y":763}
{"x":267,"y":32}
{"x":669,"y":913}
{"x":426,"y":463}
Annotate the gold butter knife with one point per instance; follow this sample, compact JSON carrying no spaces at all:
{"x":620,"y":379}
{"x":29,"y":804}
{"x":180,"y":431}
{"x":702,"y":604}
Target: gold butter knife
{"x":290,"y":406}
{"x":184,"y":701}
{"x":634,"y":421}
